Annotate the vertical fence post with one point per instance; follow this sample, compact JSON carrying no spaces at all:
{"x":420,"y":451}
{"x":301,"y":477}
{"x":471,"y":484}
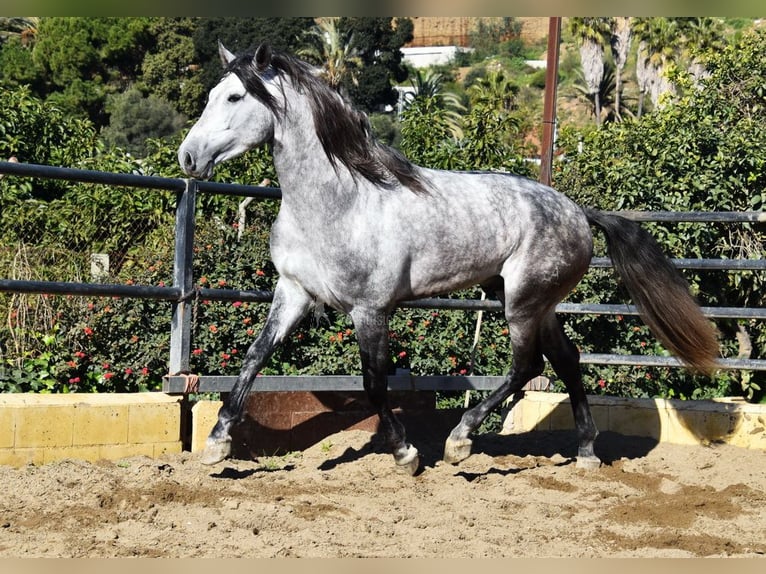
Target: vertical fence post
{"x":549,"y":105}
{"x":183,"y":277}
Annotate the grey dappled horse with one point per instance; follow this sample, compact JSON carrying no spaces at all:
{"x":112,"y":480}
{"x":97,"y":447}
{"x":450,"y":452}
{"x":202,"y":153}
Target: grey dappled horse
{"x":360,"y":228}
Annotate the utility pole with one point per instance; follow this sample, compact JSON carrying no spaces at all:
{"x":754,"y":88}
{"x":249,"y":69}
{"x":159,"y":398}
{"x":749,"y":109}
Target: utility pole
{"x":549,"y":108}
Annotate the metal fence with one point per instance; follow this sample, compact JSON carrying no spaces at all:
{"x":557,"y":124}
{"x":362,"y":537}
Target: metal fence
{"x":183,"y":291}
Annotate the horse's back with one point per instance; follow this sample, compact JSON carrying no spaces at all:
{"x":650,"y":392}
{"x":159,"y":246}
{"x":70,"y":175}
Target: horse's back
{"x":475,"y":225}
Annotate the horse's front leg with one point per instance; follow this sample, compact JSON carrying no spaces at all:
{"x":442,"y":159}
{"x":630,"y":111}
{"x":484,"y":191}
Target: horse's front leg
{"x":291,"y":303}
{"x":372,"y":334}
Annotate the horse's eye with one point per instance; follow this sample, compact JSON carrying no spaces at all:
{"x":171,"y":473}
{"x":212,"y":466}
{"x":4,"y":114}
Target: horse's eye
{"x":235,"y":98}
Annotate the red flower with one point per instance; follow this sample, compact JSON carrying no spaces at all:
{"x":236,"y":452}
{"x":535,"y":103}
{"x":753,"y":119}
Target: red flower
{"x":128,"y":371}
{"x":71,"y":364}
{"x":145,"y":371}
{"x":74,"y":380}
{"x":88,"y":331}
{"x":237,"y":304}
{"x":197,"y":352}
{"x":222,"y":282}
{"x":402,"y":354}
{"x":108,"y":375}
{"x":213,"y":329}
{"x":260,"y":273}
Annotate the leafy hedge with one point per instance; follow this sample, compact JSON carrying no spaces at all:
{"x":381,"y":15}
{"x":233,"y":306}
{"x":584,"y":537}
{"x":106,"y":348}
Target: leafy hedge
{"x":704,"y":151}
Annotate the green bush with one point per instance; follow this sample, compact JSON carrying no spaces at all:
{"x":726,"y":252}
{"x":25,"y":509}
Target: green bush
{"x":705,"y":150}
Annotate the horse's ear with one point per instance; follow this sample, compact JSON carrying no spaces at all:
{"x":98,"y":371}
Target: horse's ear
{"x":226,"y":56}
{"x":262,"y":58}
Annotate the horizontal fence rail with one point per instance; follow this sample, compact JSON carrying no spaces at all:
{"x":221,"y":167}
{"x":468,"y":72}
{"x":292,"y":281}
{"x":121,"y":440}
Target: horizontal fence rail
{"x":184,"y":292}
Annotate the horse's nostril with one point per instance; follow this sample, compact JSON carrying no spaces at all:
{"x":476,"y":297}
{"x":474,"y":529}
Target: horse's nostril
{"x":189,"y":161}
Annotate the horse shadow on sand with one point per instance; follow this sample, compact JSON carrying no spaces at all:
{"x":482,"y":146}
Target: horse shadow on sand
{"x":427,"y":430}
{"x":429,"y":436}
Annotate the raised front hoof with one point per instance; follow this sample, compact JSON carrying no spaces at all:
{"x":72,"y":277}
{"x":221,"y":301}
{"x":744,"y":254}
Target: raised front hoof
{"x":457,"y":450}
{"x":410,"y":462}
{"x":215,"y":451}
{"x":588,"y":462}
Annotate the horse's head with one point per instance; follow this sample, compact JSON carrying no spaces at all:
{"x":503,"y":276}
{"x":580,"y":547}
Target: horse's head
{"x":234,"y":119}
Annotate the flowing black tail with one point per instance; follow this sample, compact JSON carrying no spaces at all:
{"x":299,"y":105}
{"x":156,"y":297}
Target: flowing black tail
{"x":659,"y":291}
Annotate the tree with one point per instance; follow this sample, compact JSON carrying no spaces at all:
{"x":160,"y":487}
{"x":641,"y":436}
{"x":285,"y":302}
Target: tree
{"x":85,"y":59}
{"x":134,"y":118}
{"x":488,"y":36}
{"x":699,"y":37}
{"x":591,"y":34}
{"x":169,"y":69}
{"x":495,"y":90}
{"x":620,"y":42}
{"x":333,"y":51}
{"x":17,"y":67}
{"x":35,"y":132}
{"x":607,"y":95}
{"x":704,"y":151}
{"x":379,"y":42}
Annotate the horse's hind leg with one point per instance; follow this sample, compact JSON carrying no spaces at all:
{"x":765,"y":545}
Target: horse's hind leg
{"x":565,"y":360}
{"x":527,"y":363}
{"x":372,"y":334}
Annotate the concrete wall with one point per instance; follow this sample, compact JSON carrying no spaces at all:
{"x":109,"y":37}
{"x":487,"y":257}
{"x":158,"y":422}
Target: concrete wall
{"x":37,"y":429}
{"x":729,"y":421}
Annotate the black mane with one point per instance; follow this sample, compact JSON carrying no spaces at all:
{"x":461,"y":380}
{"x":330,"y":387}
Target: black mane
{"x":343,"y":131}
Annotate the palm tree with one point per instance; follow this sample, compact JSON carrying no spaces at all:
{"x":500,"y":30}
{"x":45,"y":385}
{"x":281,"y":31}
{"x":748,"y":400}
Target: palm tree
{"x":700,"y":35}
{"x":494,"y":90}
{"x":592,"y":34}
{"x":607,"y":95}
{"x":620,"y":41}
{"x":658,"y":39}
{"x":334,"y":51}
{"x":429,"y":86}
